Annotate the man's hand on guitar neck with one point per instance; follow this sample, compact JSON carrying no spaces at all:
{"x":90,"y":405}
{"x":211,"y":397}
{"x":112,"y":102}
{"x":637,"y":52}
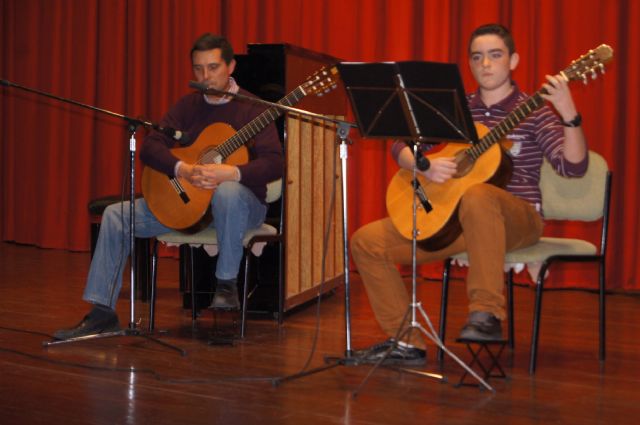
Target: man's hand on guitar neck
{"x":558,"y":93}
{"x":208,"y":176}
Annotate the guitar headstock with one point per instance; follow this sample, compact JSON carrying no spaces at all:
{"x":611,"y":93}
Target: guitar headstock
{"x":322,"y":81}
{"x":589,"y":64}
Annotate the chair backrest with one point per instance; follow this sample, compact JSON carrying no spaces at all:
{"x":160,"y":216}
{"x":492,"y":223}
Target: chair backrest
{"x":276,"y":212}
{"x":274,"y":191}
{"x":576,"y":198}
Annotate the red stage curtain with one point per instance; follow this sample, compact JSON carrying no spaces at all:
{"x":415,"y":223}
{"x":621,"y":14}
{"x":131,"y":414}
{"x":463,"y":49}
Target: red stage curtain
{"x":131,"y":57}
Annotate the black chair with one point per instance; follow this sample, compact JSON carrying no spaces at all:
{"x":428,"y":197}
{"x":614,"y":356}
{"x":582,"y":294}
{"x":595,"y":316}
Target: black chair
{"x":585,"y":199}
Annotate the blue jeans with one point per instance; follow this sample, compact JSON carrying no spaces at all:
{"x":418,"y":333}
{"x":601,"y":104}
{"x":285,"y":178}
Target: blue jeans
{"x":235,"y":210}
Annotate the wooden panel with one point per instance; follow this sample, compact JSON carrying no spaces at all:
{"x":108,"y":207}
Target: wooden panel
{"x":292,"y":213}
{"x":310,"y":164}
{"x":270,"y":71}
{"x":319,"y":206}
{"x":334,"y":167}
{"x":310,"y":160}
{"x":307,"y":226}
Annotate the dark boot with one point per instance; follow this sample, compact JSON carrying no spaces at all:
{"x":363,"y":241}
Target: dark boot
{"x":226,"y":297}
{"x":399,"y":355}
{"x":482,"y":326}
{"x":99,"y":320}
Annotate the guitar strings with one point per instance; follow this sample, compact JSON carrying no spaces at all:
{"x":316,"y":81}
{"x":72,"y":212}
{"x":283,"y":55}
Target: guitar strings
{"x":251,"y":129}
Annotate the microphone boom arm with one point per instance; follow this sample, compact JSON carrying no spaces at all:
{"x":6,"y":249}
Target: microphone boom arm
{"x":133,"y":122}
{"x":203,"y":89}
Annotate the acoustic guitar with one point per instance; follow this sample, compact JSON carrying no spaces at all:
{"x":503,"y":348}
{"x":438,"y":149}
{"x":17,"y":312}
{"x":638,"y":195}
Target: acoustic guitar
{"x":437,"y":224}
{"x":181,"y":206}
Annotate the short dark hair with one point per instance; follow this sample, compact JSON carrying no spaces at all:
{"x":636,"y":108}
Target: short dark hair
{"x":209,"y":41}
{"x":497,"y":29}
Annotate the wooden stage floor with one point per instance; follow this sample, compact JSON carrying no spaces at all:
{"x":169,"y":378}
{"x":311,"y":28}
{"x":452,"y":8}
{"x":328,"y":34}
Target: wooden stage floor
{"x":130,"y":380}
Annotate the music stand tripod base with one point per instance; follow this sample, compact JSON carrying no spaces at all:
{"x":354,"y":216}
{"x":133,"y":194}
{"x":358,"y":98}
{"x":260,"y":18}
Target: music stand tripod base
{"x":433,"y":336}
{"x":122,"y":332}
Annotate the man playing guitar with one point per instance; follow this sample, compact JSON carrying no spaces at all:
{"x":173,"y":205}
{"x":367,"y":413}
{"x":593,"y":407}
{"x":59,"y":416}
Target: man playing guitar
{"x":493,"y":220}
{"x":239,"y":191}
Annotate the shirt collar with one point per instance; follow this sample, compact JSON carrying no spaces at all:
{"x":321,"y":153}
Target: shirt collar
{"x":233,"y":88}
{"x":506,"y":104}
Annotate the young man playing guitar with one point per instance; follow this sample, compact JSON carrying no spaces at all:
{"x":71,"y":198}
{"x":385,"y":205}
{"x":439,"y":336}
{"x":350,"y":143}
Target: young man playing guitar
{"x":238,"y":201}
{"x":493,"y":220}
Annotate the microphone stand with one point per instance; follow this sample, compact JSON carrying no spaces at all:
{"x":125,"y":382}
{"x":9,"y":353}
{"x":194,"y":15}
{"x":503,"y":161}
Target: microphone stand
{"x":132,"y":125}
{"x":342,"y":132}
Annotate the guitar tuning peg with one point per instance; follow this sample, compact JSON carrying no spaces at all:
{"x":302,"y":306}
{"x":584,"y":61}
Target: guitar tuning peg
{"x":594,"y":74}
{"x":601,"y":66}
{"x":585,"y":80}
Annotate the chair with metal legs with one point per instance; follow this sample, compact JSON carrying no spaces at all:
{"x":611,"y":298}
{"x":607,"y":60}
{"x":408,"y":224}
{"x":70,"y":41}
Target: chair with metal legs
{"x":253,"y":242}
{"x":585,"y":199}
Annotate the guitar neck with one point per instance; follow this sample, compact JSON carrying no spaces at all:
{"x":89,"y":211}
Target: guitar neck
{"x":509,"y":123}
{"x":254,"y":127}
{"x":579,"y":70}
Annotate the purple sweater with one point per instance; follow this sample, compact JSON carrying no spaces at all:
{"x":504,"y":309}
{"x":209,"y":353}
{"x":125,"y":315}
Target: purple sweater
{"x":540,"y":134}
{"x":191,"y":114}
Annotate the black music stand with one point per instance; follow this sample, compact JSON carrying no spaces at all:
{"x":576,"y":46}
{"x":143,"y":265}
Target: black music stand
{"x":433,"y":92}
{"x":416,"y":102}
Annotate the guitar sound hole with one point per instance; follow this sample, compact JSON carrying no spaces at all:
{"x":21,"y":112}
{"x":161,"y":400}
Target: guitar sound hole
{"x":464,"y":164}
{"x":210,"y":156}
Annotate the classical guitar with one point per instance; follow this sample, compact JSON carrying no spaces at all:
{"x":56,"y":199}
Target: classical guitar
{"x":437,"y":213}
{"x":179,"y":205}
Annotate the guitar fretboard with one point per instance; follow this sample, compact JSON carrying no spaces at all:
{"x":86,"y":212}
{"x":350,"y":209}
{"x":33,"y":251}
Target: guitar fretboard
{"x":509,"y":123}
{"x":252,"y":128}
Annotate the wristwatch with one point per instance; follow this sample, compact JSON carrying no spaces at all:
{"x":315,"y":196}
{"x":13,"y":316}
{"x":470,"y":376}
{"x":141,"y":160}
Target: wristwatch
{"x":574,"y":122}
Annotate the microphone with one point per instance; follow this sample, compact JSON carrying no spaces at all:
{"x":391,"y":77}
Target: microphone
{"x":177,"y":135}
{"x":422,"y":163}
{"x":206,"y":90}
{"x":198,"y":86}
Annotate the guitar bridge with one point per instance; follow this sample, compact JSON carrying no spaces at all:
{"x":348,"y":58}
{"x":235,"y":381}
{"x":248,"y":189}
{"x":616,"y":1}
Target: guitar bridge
{"x":422,"y":197}
{"x":179,"y":189}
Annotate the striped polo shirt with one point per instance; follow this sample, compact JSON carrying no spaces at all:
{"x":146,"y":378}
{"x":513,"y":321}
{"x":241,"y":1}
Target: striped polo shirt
{"x":540,"y":134}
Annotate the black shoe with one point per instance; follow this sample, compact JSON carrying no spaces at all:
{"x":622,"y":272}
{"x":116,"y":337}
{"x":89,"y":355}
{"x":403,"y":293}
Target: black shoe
{"x":399,"y":355}
{"x":482,"y":326}
{"x":226,"y":297}
{"x":93,"y":323}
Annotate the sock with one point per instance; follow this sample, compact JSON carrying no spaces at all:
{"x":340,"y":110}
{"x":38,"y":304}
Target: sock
{"x":227,"y":283}
{"x":405,"y":345}
{"x":100,"y":311}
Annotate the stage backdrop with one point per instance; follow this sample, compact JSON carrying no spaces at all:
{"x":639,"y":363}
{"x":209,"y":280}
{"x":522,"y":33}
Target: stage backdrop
{"x":131,"y":57}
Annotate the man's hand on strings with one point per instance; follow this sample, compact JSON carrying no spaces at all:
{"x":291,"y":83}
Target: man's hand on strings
{"x":441,"y":169}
